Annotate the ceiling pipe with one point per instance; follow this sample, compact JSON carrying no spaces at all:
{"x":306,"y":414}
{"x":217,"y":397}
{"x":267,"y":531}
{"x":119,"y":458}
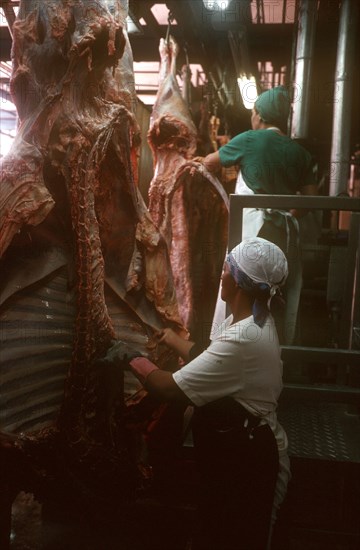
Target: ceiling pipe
{"x":303,"y":65}
{"x":218,"y":88}
{"x":345,"y":68}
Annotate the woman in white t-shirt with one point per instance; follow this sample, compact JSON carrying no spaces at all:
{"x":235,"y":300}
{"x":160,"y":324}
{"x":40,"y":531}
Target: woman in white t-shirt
{"x":234,"y":386}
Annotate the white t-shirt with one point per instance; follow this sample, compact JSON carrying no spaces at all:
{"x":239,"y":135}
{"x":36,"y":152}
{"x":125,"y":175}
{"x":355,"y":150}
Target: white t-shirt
{"x":242,"y":361}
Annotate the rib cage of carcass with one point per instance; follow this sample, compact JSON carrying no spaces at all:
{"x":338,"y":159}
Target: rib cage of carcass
{"x":188,"y":204}
{"x":82,"y":262}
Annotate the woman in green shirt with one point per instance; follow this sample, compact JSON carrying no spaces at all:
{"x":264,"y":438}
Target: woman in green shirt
{"x":270,"y":163}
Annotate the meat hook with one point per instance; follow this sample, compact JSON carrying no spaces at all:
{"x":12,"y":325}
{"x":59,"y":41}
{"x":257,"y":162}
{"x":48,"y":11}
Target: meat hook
{"x":170,"y":19}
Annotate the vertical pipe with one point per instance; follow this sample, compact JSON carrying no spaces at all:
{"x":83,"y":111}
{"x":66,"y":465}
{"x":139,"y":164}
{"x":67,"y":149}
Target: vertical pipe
{"x":340,"y":147}
{"x":303,"y":64}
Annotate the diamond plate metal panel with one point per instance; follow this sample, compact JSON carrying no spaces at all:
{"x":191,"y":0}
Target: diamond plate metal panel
{"x":321,"y":430}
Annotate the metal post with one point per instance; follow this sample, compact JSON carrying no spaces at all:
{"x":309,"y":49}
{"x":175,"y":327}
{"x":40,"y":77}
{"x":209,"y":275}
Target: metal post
{"x":303,"y":65}
{"x":351,"y":286}
{"x":6,"y":501}
{"x":9,"y":14}
{"x":345,"y":69}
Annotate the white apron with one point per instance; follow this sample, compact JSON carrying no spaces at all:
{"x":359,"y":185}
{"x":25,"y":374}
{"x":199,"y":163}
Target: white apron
{"x":253,"y":220}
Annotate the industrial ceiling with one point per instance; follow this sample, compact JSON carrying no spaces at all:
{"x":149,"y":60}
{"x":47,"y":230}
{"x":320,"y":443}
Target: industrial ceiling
{"x":225,"y":37}
{"x":255,"y":37}
{"x":225,"y":41}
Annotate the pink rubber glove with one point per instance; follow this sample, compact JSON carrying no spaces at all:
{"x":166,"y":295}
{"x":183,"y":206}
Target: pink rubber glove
{"x":142,"y":367}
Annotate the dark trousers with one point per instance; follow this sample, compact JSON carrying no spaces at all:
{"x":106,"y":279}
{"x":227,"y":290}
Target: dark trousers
{"x":237,"y":483}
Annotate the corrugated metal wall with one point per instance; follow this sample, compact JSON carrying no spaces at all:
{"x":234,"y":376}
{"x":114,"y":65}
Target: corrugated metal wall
{"x":36,"y":335}
{"x":36,"y":332}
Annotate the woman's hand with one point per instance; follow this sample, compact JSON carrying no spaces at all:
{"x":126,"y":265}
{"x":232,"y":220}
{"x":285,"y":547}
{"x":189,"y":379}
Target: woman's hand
{"x":198,"y":167}
{"x":169,"y":337}
{"x":211,"y":162}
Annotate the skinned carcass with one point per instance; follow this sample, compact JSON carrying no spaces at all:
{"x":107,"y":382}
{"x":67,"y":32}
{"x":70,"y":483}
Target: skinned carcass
{"x":82,"y":262}
{"x":187,"y":203}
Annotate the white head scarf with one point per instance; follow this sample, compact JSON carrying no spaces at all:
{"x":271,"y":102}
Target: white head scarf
{"x":262,"y":261}
{"x":260,"y":267}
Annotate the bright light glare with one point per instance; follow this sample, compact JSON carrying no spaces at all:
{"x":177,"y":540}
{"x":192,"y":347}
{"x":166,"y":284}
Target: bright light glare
{"x":248,"y":90}
{"x":161,"y":14}
{"x":132,"y":28}
{"x":216,"y":4}
{"x":5,"y":144}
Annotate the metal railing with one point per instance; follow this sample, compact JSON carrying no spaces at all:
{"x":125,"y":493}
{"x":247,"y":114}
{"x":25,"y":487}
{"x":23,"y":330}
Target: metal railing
{"x":346,"y":356}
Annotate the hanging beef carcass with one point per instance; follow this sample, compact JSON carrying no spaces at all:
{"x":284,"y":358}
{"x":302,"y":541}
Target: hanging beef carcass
{"x":82,"y":262}
{"x":187,"y":203}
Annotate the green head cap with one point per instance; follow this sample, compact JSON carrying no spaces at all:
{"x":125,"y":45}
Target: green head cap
{"x":274,"y":105}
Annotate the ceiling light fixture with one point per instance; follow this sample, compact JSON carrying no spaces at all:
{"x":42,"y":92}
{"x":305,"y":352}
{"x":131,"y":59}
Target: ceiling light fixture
{"x":216,"y":5}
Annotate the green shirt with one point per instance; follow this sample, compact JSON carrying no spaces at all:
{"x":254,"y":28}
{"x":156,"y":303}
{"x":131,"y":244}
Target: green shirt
{"x":270,"y":163}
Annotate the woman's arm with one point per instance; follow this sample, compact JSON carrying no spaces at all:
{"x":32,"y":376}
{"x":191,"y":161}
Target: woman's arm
{"x":158,"y":382}
{"x":163,"y":385}
{"x":212,"y":162}
{"x":212,"y":375}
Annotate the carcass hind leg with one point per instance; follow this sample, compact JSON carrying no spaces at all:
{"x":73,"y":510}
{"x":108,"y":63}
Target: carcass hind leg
{"x":164,"y":60}
{"x":174,"y":49}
